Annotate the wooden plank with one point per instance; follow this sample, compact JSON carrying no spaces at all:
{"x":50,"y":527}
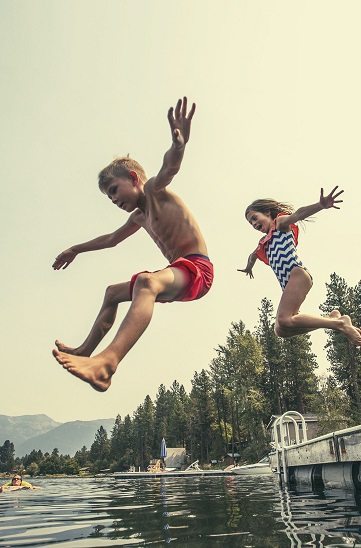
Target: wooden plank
{"x":316,"y":451}
{"x":349,"y":444}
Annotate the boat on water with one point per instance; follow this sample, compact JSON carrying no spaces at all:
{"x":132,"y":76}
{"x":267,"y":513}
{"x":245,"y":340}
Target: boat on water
{"x":261,"y":468}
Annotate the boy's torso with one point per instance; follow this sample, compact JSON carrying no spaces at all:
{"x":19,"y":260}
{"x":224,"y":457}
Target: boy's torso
{"x":170,"y":224}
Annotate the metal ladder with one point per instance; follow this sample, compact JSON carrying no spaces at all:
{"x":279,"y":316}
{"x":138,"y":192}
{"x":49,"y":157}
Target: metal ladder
{"x":284,"y":441}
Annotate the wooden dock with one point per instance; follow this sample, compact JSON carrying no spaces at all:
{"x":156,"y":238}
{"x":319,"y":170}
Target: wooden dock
{"x":341,"y":446}
{"x":332,"y":459}
{"x":175,"y":474}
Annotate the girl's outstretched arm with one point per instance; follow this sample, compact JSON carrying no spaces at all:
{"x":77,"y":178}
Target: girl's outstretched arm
{"x":325,"y":202}
{"x":250,"y":264}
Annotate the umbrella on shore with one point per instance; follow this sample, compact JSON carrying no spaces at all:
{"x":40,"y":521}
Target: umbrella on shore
{"x":163,"y":450}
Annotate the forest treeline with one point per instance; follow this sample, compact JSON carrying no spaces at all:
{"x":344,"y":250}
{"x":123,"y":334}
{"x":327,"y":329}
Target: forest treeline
{"x":253,"y":376}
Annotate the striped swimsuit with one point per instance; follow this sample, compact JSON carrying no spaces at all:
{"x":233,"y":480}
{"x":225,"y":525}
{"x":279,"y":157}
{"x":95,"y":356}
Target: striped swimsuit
{"x":282,"y":255}
{"x":278,"y":249}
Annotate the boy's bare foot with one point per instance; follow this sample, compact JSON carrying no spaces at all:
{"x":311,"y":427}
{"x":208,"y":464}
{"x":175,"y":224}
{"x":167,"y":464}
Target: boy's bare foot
{"x":69,"y":350}
{"x":96,"y":371}
{"x":352,"y":333}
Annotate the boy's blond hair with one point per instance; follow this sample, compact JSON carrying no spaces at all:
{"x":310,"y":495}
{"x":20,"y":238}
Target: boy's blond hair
{"x":120,"y":167}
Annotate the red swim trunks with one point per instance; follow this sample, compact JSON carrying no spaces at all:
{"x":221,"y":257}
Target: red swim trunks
{"x":199,"y":270}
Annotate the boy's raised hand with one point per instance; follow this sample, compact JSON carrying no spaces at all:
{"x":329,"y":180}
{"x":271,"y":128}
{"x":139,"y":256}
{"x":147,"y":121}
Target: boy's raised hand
{"x":64,"y":259}
{"x":180,"y":123}
{"x":330,"y":200}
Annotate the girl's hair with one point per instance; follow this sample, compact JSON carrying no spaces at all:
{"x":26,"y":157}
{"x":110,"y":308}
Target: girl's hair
{"x":269,"y":206}
{"x":120,"y":167}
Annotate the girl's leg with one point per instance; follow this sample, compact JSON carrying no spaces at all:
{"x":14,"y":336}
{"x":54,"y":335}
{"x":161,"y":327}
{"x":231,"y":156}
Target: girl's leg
{"x":114,"y":295}
{"x":289,"y":322}
{"x":302,"y":330}
{"x":98,"y":370}
{"x":295,"y":292}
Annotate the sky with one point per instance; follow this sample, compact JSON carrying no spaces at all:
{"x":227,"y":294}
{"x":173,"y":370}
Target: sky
{"x":277,"y":86}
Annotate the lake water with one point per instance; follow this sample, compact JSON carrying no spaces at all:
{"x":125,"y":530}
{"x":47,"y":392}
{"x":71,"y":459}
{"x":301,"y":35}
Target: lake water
{"x":194,"y":511}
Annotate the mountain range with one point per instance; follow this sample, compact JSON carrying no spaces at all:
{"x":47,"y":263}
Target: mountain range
{"x":28,"y":432}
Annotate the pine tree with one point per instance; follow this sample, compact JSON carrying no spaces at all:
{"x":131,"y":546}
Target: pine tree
{"x":345,"y":359}
{"x":122,"y":444}
{"x":144,"y":430}
{"x":7,"y":456}
{"x":127,"y":458}
{"x":237,"y":374}
{"x":274,"y":373}
{"x":51,"y":464}
{"x":301,"y":383}
{"x":34,"y":456}
{"x":82,"y":457}
{"x":162,"y":413}
{"x":116,"y":440}
{"x":201,"y":417}
{"x":178,"y":416}
{"x":100,"y":449}
{"x":333,"y":410}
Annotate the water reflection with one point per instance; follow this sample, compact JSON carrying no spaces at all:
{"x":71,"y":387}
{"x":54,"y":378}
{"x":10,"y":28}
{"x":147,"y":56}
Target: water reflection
{"x":321,"y":517}
{"x":193,"y":511}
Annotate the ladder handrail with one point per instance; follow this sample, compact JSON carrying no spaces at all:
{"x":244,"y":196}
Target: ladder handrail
{"x":281,"y":425}
{"x":281,"y":446}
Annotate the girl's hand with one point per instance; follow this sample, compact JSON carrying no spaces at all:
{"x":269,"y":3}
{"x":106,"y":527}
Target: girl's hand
{"x":247,"y":271}
{"x":329,"y":201}
{"x":64,"y":259}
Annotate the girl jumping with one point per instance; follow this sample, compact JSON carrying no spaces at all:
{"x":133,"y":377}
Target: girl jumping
{"x":278,"y":249}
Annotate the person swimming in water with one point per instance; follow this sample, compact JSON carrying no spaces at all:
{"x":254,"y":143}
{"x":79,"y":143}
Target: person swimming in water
{"x":15,"y":484}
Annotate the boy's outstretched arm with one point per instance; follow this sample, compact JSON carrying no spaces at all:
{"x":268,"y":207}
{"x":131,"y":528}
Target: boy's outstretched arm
{"x":180,"y":125}
{"x":66,"y":257}
{"x":325,"y":202}
{"x":250,"y":264}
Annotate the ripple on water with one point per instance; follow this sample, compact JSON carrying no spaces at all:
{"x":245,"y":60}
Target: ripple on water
{"x":197,"y":511}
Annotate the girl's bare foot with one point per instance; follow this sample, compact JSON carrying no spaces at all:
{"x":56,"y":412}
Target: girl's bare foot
{"x":96,"y":371}
{"x":69,"y":350}
{"x":337,"y":314}
{"x":352,"y":333}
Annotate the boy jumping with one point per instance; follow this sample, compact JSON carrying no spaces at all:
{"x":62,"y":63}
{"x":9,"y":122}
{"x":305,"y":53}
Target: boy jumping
{"x":173,"y":228}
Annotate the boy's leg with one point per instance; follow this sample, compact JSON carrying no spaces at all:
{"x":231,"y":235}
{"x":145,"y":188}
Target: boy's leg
{"x":290,"y":322}
{"x":164,"y":285}
{"x":114,"y":294}
{"x":97,"y":370}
